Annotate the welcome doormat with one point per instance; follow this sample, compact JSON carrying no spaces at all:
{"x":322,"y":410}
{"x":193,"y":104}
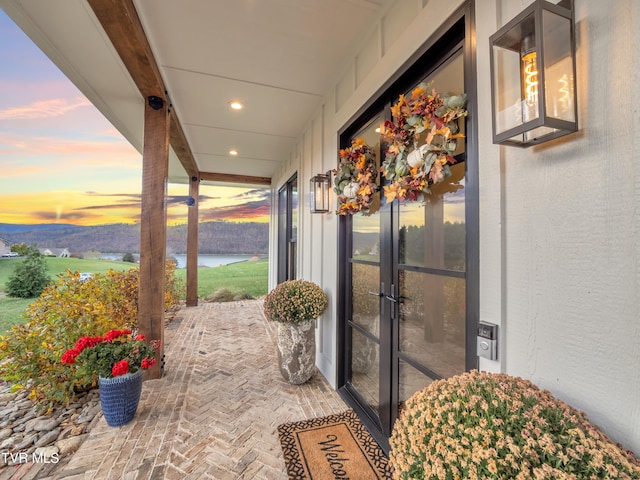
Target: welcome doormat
{"x":333,"y":447}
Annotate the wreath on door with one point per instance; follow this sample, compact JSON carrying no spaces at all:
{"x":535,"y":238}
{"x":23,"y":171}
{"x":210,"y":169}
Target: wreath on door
{"x":355,"y":179}
{"x":423,"y":137}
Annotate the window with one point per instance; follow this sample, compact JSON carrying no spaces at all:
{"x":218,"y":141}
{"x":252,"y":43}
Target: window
{"x":287,"y":229}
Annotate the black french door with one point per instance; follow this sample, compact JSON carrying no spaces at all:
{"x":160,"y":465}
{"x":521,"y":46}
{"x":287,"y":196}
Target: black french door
{"x":405,"y":320}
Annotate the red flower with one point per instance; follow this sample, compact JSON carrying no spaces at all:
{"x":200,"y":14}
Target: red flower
{"x":120,"y":368}
{"x":113,"y":334}
{"x":84,"y":342}
{"x":148,"y":362}
{"x":70,"y":355}
{"x":140,"y":337}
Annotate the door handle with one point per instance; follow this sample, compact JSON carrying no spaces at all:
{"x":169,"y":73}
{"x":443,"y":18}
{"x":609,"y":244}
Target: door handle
{"x":391,"y":297}
{"x":376,"y":294}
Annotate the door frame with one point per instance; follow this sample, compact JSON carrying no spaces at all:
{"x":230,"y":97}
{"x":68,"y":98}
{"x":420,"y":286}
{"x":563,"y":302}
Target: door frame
{"x":460,"y":27}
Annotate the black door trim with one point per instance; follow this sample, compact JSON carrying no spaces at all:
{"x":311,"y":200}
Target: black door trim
{"x":457,"y":31}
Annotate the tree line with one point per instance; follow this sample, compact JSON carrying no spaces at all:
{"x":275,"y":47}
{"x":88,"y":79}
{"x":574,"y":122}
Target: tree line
{"x":213,"y":238}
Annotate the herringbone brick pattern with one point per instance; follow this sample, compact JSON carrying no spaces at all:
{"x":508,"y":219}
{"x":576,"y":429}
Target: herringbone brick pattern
{"x":215,"y":412}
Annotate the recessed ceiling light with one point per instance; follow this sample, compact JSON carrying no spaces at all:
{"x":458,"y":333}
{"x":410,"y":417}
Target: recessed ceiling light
{"x":235,"y":105}
{"x":233,"y":152}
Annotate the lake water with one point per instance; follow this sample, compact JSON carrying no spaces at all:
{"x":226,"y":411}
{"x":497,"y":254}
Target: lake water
{"x":203,"y":259}
{"x":212,"y":260}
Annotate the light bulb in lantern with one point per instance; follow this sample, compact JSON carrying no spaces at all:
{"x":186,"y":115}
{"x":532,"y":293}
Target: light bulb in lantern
{"x":529,"y":73}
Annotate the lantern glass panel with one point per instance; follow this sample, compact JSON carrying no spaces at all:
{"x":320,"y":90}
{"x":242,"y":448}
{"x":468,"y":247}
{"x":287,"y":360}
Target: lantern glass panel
{"x":514,"y":54}
{"x":319,"y":187}
{"x":558,"y":71}
{"x":533,"y":70}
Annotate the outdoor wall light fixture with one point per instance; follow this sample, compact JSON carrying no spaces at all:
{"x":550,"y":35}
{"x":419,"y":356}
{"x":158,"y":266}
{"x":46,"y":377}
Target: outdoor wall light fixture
{"x":320,"y":187}
{"x":533,"y":81}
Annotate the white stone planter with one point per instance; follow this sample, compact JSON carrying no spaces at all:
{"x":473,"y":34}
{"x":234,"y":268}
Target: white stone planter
{"x":296,"y":346}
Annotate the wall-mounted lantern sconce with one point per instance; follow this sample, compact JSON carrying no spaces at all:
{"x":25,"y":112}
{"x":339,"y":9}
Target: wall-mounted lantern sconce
{"x":320,"y":187}
{"x":533,"y":81}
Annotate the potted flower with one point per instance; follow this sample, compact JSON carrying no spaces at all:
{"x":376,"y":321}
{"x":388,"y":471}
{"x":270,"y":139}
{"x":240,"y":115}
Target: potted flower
{"x":295,"y":304}
{"x":117,"y":359}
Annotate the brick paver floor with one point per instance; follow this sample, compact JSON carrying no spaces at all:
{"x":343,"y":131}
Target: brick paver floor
{"x":214,"y":413}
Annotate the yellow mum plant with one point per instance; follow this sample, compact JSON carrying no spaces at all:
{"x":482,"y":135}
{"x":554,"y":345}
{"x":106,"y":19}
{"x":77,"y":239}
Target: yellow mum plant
{"x":295,"y":301}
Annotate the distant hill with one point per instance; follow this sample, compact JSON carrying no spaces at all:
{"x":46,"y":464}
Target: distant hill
{"x":213,"y":237}
{"x":19,"y":228}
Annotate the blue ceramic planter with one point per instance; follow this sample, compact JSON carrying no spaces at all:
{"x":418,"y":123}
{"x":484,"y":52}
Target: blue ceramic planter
{"x":119,"y":397}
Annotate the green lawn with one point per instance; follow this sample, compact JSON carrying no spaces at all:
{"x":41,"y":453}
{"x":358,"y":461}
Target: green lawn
{"x":11,"y":309}
{"x":248,"y":277}
{"x":60,"y":265}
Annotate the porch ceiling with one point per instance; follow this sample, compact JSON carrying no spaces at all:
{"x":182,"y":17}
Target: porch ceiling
{"x":277,"y":57}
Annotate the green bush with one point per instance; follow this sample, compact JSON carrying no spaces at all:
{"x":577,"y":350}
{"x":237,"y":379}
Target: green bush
{"x":128,"y":257}
{"x":20,"y":248}
{"x":482,"y":425}
{"x":29,"y":278}
{"x":30,"y":354}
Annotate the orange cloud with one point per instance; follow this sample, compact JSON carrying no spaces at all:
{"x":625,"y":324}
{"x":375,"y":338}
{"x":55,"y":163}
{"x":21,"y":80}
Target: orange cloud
{"x":44,"y":109}
{"x":95,"y":208}
{"x":19,"y":171}
{"x":14,"y":144}
{"x":257,"y":211}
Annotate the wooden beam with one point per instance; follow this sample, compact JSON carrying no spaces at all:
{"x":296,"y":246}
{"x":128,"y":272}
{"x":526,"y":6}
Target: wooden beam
{"x":123,"y":27}
{"x":230,"y":178}
{"x":153,"y":226}
{"x":192,"y":244}
{"x":181,"y":146}
{"x":121,"y":23}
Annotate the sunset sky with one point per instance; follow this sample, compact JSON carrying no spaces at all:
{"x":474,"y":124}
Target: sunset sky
{"x":61,"y":161}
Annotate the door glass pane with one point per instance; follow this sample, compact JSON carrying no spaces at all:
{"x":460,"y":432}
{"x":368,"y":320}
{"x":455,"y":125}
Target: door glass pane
{"x":283,"y":241}
{"x":432,"y":233}
{"x":293,"y":254}
{"x":365,"y":277}
{"x":432,"y":321}
{"x":411,"y":380}
{"x":365,"y":368}
{"x":365,"y":308}
{"x":366,"y":228}
{"x":294,"y":209}
{"x":366,"y":237}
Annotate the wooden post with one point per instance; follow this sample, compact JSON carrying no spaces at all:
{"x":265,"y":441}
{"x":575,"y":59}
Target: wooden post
{"x":153,"y":225}
{"x":192,"y":245}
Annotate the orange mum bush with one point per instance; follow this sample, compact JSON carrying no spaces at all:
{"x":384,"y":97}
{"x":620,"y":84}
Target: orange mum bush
{"x":481,"y":425}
